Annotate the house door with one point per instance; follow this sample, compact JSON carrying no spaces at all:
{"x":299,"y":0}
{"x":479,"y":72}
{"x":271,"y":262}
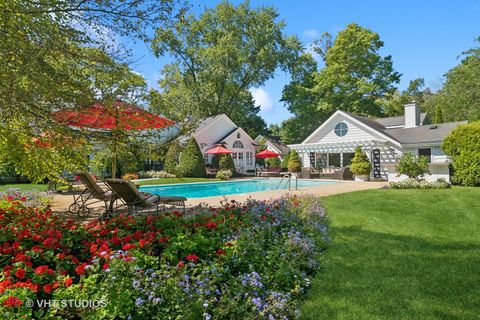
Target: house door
{"x":238,"y":159}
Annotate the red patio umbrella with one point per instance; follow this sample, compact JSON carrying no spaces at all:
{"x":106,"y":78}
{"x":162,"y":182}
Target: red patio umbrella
{"x":267,"y":154}
{"x":121,"y":116}
{"x":218,"y":150}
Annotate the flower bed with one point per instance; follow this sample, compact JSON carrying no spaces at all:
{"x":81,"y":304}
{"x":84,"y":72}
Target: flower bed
{"x":420,"y":184}
{"x":249,"y":261}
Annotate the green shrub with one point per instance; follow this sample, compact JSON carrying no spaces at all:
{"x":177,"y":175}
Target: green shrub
{"x":462,"y":145}
{"x":274,"y":162}
{"x":224,"y":174}
{"x":127,"y":162}
{"x":192,"y":163}
{"x":360,"y":164}
{"x":226,"y":163}
{"x":171,"y":158}
{"x":412,"y":166}
{"x":285,"y":160}
{"x":294,"y":164}
{"x":420,"y":184}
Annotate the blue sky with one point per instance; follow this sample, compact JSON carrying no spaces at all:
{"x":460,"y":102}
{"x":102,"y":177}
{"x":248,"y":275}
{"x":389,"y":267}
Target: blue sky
{"x":424,"y":38}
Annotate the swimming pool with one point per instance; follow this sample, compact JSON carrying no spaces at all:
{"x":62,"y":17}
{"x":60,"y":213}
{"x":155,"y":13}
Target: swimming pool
{"x":211,"y":189}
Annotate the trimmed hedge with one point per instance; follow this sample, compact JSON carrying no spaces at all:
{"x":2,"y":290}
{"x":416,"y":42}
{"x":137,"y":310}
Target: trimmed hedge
{"x":191,"y":163}
{"x":171,"y":158}
{"x":273,"y":162}
{"x":226,"y":163}
{"x":294,"y":164}
{"x":463,"y":146}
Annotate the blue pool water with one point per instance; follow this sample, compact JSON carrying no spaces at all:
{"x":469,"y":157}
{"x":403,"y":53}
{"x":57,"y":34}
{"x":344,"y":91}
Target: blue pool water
{"x":211,"y":189}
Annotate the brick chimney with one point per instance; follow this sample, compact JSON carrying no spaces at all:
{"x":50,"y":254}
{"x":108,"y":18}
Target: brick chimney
{"x":412,"y":115}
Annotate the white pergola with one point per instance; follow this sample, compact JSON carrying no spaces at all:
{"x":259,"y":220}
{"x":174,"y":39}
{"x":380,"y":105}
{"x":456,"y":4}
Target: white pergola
{"x":338,"y":147}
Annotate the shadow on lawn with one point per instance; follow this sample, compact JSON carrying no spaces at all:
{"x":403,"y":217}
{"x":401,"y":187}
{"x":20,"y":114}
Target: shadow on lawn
{"x":374,"y":275}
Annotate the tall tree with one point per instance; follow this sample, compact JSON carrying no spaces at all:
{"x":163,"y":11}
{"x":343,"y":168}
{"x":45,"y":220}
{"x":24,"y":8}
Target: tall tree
{"x":356,"y":78}
{"x":459,"y":98}
{"x":47,"y":65}
{"x":218,"y":56}
{"x":394,"y":103}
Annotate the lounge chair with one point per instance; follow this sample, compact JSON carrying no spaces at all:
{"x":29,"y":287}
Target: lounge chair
{"x":92,"y":194}
{"x":310,"y":173}
{"x":128,"y":193}
{"x":211,"y":172}
{"x":343,"y":174}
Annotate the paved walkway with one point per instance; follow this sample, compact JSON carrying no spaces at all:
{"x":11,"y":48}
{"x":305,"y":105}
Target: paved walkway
{"x":62,"y":201}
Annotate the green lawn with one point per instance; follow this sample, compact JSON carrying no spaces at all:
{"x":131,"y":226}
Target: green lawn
{"x":400,"y":254}
{"x":24,"y":187}
{"x":171,"y":181}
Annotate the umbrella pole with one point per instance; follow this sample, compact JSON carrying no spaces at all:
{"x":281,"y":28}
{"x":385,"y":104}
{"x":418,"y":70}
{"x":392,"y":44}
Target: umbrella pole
{"x":114,"y":159}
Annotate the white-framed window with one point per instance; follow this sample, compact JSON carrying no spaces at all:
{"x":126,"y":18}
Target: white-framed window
{"x":204,"y":148}
{"x":237,"y":145}
{"x":427,"y":152}
{"x":341,"y":129}
{"x":250,"y":159}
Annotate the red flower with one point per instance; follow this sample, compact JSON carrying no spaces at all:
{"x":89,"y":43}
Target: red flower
{"x":68,"y":282}
{"x":12,"y":301}
{"x":48,"y":288}
{"x":20,"y":273}
{"x":41,"y":270}
{"x":23,"y":199}
{"x":81,"y":269}
{"x":10,"y":198}
{"x":180,"y":264}
{"x":128,"y":246}
{"x":220,"y":252}
{"x":105,"y":266}
{"x":191,"y":257}
{"x":142,"y":243}
{"x":211,"y":225}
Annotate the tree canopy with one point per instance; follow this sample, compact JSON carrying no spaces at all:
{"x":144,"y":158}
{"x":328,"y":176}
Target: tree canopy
{"x":459,"y":98}
{"x":356,"y":78}
{"x":218,"y":56}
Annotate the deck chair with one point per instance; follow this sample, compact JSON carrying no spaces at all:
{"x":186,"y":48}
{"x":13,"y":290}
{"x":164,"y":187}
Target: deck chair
{"x":128,"y":193}
{"x":92,"y":194}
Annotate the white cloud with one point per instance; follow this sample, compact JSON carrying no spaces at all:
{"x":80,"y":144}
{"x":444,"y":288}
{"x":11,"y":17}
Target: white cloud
{"x":262,"y":99}
{"x":310,"y":33}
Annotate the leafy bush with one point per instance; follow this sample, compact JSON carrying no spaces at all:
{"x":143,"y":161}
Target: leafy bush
{"x":226,"y":163}
{"x":171,"y":158}
{"x":191,"y":162}
{"x":412,"y":166}
{"x":462,"y":145}
{"x":360,"y":164}
{"x":224,"y":174}
{"x":239,"y":261}
{"x":127,"y":162}
{"x":155,"y":174}
{"x":294,"y":164}
{"x":420,"y":184}
{"x":274,"y":162}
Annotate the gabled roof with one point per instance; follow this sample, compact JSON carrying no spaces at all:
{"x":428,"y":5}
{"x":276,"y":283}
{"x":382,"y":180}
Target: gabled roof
{"x":401,"y":136}
{"x":232,"y":132}
{"x":226,"y":136}
{"x":277,"y":144}
{"x":207,"y":122}
{"x":398,"y":121}
{"x":433,"y":133}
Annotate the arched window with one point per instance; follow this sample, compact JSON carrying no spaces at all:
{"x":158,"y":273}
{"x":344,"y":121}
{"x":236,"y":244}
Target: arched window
{"x":237,"y":145}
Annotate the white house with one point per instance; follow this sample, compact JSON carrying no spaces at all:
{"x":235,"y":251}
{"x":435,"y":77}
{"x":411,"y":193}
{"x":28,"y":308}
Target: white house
{"x":220,"y":129}
{"x":383,"y":140}
{"x":273,"y":144}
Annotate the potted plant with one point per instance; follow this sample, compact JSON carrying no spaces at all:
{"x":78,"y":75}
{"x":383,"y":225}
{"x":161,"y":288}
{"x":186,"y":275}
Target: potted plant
{"x":360,"y":166}
{"x":294,"y":164}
